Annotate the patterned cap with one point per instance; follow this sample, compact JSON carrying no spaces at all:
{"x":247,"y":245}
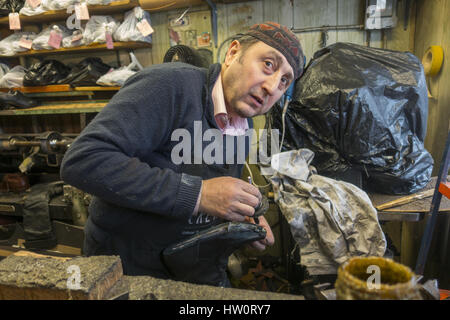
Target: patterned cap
{"x":282,"y":39}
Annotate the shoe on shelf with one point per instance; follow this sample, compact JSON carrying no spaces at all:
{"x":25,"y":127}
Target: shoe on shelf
{"x":16,"y":99}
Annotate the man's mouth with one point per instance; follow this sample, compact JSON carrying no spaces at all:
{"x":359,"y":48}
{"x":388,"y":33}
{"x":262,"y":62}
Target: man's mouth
{"x":258,"y":101}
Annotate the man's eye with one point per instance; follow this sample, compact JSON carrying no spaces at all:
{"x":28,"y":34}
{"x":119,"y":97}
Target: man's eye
{"x":268,"y":64}
{"x":284,"y":82}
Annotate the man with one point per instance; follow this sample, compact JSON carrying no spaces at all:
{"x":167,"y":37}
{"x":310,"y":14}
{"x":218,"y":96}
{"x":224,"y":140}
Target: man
{"x":144,"y":201}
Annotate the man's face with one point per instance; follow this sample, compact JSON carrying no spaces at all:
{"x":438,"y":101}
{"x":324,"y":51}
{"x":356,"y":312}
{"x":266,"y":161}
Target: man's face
{"x":255,"y":79}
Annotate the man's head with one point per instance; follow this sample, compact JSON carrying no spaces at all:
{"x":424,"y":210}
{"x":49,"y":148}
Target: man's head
{"x":259,"y":67}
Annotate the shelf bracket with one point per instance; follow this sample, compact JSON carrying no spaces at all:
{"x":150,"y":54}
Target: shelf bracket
{"x":213,"y":20}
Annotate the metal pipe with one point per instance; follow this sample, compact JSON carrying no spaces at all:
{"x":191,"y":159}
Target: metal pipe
{"x":326,"y":28}
{"x":20,"y":143}
{"x":52,"y":143}
{"x":213,"y":20}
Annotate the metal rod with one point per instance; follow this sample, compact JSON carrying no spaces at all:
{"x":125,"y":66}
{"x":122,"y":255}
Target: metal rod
{"x":19,"y":143}
{"x":435,"y":204}
{"x":213,"y":20}
{"x":52,"y":143}
{"x":326,"y":28}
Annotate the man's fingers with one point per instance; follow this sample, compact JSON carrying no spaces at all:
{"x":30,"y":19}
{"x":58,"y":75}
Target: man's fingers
{"x":243,"y":209}
{"x":258,"y":245}
{"x":270,"y":239}
{"x":229,"y":198}
{"x":247,"y":187}
{"x":249,"y":200}
{"x":232,"y":216}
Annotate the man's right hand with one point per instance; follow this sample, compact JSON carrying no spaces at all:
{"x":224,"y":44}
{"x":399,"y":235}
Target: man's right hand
{"x":229,"y":198}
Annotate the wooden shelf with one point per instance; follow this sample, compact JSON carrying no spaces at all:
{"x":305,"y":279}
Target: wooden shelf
{"x":58,"y":88}
{"x":114,"y":7}
{"x":55,"y":15}
{"x":92,"y":48}
{"x":59,"y":108}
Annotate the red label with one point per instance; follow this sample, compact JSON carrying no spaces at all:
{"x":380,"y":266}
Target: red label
{"x":55,"y":39}
{"x":14,"y":21}
{"x":109,"y":40}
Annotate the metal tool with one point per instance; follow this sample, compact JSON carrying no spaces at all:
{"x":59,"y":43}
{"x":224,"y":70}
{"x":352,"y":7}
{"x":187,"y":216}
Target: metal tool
{"x":262,"y":206}
{"x":261,"y":209}
{"x":405,"y":200}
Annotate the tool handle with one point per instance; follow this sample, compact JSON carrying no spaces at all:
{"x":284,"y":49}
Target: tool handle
{"x":405,"y":200}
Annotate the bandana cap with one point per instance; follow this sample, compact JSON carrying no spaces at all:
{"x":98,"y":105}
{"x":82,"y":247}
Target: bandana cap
{"x":282,"y":39}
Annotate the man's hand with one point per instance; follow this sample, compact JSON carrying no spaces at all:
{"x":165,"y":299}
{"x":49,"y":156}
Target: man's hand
{"x":229,"y":198}
{"x":269,"y":240}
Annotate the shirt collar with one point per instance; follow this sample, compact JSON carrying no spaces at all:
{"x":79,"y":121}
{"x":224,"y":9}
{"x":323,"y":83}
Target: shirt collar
{"x":235,"y":126}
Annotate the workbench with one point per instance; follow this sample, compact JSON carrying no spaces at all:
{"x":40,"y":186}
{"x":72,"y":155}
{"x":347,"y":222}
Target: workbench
{"x":405,"y":226}
{"x":413,"y":211}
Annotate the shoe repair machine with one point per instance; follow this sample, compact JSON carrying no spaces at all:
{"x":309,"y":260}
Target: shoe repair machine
{"x":37,"y":211}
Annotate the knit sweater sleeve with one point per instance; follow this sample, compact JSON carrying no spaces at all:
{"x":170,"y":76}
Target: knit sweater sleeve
{"x":106,"y":158}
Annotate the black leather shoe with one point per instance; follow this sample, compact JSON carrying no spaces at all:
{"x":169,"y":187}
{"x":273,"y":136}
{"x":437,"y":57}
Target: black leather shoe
{"x":203,"y":258}
{"x":16,"y":99}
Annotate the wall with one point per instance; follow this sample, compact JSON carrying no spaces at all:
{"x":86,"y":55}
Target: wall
{"x":297,"y":14}
{"x":433,"y":28}
{"x":238,"y":17}
{"x":427,"y":34}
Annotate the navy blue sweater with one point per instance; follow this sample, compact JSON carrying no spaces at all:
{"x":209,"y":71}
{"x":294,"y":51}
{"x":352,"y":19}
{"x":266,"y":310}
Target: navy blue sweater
{"x":123,"y":157}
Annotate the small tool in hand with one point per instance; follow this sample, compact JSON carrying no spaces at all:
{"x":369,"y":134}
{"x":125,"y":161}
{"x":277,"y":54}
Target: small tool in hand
{"x":262,"y":206}
{"x":259,"y":204}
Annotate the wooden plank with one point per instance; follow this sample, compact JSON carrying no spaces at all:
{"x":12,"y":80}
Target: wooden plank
{"x":241,"y":16}
{"x":97,"y":88}
{"x":222,"y":34}
{"x":160,"y":38}
{"x":314,"y":13}
{"x":398,"y":38}
{"x":24,"y":253}
{"x":350,"y":12}
{"x":58,"y":88}
{"x":308,"y":14}
{"x":89,"y":48}
{"x":50,"y":88}
{"x":160,"y":5}
{"x":278,"y":10}
{"x":77,"y":107}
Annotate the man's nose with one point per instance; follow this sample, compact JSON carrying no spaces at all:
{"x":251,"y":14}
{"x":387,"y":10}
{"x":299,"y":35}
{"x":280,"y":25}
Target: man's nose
{"x":271,"y":84}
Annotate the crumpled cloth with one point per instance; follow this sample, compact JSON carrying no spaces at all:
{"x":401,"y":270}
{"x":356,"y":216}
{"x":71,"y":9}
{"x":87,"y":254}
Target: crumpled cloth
{"x":330,"y":220}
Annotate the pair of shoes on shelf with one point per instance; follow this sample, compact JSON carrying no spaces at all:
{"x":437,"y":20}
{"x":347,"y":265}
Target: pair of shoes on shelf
{"x":16,"y":100}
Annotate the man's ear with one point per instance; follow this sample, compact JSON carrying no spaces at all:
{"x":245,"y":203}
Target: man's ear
{"x":233,"y":51}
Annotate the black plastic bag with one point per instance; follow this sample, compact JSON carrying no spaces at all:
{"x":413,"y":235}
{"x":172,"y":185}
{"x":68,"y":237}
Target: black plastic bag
{"x":86,"y":73}
{"x":7,"y":6}
{"x":45,"y":73}
{"x":362,"y":109}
